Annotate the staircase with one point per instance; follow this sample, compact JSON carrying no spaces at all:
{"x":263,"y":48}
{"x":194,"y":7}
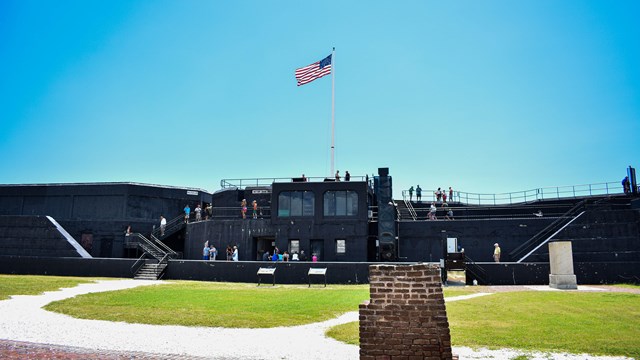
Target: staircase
{"x":528,"y":247}
{"x":150,"y":271}
{"x":154,"y":260}
{"x":174,"y":225}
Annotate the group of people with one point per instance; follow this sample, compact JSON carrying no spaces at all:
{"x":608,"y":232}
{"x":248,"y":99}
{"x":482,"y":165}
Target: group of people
{"x":440,"y":194}
{"x":209,"y":252}
{"x":448,"y":213}
{"x":243,"y":208}
{"x":347,"y":176}
{"x":198,"y":211}
{"x":285,"y":256}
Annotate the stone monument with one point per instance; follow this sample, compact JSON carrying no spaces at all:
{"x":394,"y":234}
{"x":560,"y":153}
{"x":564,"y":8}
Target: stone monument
{"x":561,"y":266}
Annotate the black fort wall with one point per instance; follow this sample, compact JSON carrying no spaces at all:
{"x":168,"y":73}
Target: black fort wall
{"x":96,"y":215}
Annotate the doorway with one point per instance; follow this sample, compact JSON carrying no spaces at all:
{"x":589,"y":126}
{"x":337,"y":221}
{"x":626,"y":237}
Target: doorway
{"x":317,"y":247}
{"x":262,"y":245}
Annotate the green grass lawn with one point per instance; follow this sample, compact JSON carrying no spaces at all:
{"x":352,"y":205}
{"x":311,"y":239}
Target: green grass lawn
{"x":34,"y":285}
{"x":594,"y":323}
{"x":232,"y":305}
{"x":597,"y":323}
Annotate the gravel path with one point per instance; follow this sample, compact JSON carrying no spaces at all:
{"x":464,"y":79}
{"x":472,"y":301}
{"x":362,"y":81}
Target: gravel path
{"x":25,"y":327}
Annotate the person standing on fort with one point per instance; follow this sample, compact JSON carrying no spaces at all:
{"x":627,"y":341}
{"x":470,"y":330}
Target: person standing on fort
{"x":432,"y":211}
{"x":411,"y":193}
{"x":438,"y":195}
{"x":187,"y":212}
{"x":254,"y":204}
{"x":496,"y":252}
{"x":208,"y":211}
{"x":418,"y":193}
{"x":243,"y":205}
{"x":234,"y":256}
{"x":337,"y":175}
{"x":198,"y":212}
{"x":347,"y":176}
{"x":229,"y":252}
{"x":448,"y":214}
{"x":213,"y":253}
{"x":626,"y":185}
{"x":205,"y":252}
{"x":163,"y":225}
{"x":450,"y":194}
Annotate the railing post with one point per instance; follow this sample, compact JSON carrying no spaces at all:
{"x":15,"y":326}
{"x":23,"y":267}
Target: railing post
{"x":590,"y":190}
{"x":574,"y":190}
{"x":494,"y":199}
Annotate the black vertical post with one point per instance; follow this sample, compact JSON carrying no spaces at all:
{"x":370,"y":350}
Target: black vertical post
{"x":633,"y":183}
{"x":443,"y":236}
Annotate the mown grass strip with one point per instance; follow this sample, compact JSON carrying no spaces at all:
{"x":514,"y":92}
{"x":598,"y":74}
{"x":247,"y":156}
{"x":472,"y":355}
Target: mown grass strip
{"x":593,"y":323}
{"x":229,"y":305}
{"x":34,"y":284}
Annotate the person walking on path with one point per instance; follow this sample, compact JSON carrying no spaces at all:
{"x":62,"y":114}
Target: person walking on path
{"x":496,"y":252}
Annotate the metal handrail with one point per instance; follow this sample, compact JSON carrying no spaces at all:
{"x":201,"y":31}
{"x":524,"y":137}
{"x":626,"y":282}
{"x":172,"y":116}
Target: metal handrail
{"x":135,"y":263}
{"x":548,"y":229}
{"x":168,"y":228}
{"x":547,"y":193}
{"x":166,"y":248}
{"x":412,"y":211}
{"x":148,"y":242}
{"x":266,"y":182}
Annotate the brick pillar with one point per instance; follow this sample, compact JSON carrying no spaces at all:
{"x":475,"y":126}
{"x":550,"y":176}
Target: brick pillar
{"x":406,"y":317}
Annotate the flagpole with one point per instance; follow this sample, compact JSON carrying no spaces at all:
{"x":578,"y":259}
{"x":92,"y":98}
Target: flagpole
{"x":333,"y":110}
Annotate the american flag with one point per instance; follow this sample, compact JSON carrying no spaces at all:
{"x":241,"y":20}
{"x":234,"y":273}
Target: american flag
{"x":314,"y":71}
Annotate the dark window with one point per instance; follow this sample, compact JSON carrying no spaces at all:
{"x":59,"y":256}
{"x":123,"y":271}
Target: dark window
{"x":340,"y":203}
{"x":295,"y":203}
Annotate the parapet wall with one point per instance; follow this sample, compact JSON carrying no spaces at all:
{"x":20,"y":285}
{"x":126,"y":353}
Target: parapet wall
{"x":406,"y":316}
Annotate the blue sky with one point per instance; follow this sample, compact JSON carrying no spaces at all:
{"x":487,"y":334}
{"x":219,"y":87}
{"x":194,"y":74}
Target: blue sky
{"x":484,"y":96}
